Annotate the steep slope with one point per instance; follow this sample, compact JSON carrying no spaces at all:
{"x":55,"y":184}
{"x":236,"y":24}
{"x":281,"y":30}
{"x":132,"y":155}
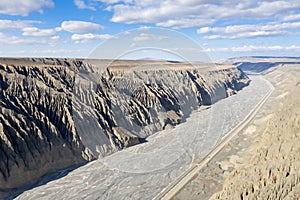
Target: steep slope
{"x":269,"y":169}
{"x":133,"y":103}
{"x":56,"y":113}
{"x":36,"y":127}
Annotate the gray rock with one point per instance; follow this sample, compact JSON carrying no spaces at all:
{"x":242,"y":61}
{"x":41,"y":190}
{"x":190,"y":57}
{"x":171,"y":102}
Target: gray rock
{"x":56,"y":113}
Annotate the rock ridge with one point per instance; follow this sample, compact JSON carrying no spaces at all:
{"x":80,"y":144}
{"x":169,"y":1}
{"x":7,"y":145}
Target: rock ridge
{"x":56,"y":113}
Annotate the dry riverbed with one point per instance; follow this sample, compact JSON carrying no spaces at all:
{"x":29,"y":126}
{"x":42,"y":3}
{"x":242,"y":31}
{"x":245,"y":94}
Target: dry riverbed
{"x":263,"y":160}
{"x":143,"y":171}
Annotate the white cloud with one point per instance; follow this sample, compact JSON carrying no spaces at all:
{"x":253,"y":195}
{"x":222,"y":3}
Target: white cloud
{"x":56,"y":51}
{"x":9,"y":39}
{"x":15,"y":25}
{"x":28,"y":30}
{"x":291,"y":17}
{"x":253,"y":34}
{"x":126,"y":33}
{"x":115,"y":1}
{"x":80,"y":27}
{"x":82,"y":5}
{"x":24,"y":7}
{"x":89,"y":36}
{"x":249,"y":27}
{"x":33,"y":31}
{"x":254,"y":48}
{"x":47,"y":51}
{"x":248,"y":31}
{"x":223,"y":49}
{"x":193,"y":13}
{"x":144,"y":28}
{"x":185,"y":23}
{"x":149,"y":37}
{"x":55,"y":37}
{"x":251,"y":48}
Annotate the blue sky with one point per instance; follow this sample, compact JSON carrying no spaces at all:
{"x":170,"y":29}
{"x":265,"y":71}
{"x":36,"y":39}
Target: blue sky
{"x":74,"y":28}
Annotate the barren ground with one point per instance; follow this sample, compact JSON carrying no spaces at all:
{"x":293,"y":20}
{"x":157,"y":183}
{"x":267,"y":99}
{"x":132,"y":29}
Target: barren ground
{"x":143,"y":171}
{"x":263,"y":160}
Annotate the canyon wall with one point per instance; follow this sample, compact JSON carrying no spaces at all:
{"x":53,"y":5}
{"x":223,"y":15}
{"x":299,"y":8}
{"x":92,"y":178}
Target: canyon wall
{"x":56,"y":113}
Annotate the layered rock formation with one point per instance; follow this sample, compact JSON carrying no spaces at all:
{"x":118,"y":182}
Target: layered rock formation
{"x":129,"y":103}
{"x":56,"y":113}
{"x":37,"y":132}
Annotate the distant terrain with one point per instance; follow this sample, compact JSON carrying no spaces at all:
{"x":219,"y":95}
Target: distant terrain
{"x":261,"y":64}
{"x":262,"y":161}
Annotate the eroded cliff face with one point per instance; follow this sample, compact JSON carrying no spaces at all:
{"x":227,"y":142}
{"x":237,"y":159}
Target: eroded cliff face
{"x":37,"y":133}
{"x":56,"y":113}
{"x":127,"y":104}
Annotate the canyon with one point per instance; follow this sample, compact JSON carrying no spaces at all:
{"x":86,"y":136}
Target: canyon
{"x":61,"y":113}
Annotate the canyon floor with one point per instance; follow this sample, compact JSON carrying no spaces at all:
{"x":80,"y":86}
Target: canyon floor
{"x":144,"y":170}
{"x":263,"y":160}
